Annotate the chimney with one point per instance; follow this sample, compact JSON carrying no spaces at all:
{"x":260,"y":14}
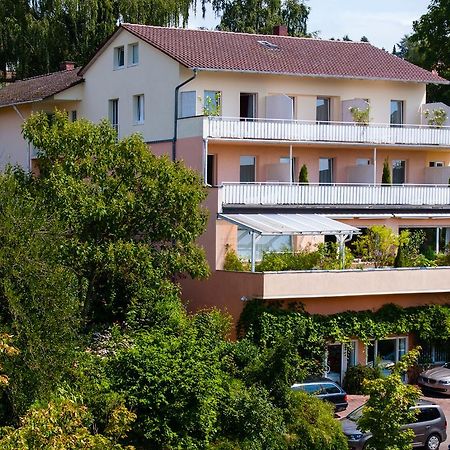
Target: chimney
{"x":67,"y":65}
{"x":280,"y":30}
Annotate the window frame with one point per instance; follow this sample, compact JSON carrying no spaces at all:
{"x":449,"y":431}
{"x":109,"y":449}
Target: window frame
{"x":328,"y":101}
{"x":113,"y":113}
{"x":331,"y":170}
{"x":184,"y":94}
{"x":131,"y":47}
{"x":401,"y":111}
{"x":116,"y":59}
{"x":217,"y":101}
{"x":138,"y":109}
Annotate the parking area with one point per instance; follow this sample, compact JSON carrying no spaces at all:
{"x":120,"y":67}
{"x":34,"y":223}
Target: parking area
{"x":356,"y":400}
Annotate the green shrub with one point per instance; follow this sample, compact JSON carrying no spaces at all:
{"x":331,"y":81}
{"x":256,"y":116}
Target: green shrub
{"x":443,"y":259}
{"x":355,"y":376}
{"x":303,"y":175}
{"x":232,"y":261}
{"x":325,"y":257}
{"x":313,"y":425}
{"x":386,"y":177}
{"x":379,"y":245}
{"x":64,"y":425}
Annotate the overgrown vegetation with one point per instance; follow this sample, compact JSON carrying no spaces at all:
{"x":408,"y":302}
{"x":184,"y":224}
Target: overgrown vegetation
{"x":325,"y":257}
{"x":105,"y":355}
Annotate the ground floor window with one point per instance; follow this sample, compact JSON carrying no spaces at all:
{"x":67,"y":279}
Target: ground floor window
{"x":435,"y":353}
{"x":386,"y":352}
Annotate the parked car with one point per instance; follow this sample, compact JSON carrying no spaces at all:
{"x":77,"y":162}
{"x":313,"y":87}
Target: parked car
{"x":430,"y":427}
{"x":325,"y":389}
{"x":436,"y":379}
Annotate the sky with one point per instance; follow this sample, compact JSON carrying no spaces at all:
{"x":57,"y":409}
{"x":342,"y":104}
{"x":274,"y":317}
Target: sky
{"x":384,"y":22}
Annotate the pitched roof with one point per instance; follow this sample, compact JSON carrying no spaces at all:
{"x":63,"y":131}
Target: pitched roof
{"x":38,"y":88}
{"x":226,"y":51}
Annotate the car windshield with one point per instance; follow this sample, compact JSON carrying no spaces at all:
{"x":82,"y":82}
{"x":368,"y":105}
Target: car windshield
{"x":356,"y":414}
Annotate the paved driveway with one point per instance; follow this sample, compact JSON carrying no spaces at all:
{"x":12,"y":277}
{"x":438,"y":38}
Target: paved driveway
{"x":356,"y":400}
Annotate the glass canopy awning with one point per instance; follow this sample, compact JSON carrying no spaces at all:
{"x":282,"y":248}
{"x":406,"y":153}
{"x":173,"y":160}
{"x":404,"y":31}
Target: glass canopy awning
{"x":290,"y":224}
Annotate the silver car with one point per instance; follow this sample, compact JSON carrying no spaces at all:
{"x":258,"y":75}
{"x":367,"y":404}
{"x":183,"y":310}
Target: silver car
{"x":436,"y":379}
{"x":430,"y":427}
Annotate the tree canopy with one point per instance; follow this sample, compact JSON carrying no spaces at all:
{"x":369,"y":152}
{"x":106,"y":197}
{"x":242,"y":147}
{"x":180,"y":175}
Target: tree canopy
{"x":429,"y":46}
{"x":36,"y":36}
{"x":261,"y":16}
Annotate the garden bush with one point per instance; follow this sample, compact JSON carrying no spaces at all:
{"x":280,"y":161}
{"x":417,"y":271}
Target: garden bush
{"x":355,"y":376}
{"x":314,"y":426}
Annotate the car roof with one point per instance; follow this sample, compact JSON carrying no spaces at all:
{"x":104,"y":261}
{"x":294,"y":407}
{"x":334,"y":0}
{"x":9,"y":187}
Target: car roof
{"x":313,"y":380}
{"x":424,"y":402}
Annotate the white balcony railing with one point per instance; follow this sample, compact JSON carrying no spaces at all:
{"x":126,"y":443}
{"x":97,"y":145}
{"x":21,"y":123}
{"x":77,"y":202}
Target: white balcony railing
{"x":334,"y":194}
{"x":307,"y":131}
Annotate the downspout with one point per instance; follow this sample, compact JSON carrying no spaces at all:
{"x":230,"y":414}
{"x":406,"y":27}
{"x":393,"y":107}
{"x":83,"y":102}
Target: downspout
{"x":175,"y":119}
{"x":29,"y":145}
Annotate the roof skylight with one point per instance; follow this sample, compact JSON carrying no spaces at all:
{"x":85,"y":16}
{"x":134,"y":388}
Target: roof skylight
{"x":268,"y":45}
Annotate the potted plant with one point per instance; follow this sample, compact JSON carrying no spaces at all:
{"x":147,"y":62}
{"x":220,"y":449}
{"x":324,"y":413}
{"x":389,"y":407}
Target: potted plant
{"x":303,"y":175}
{"x":360,"y":116}
{"x":386,"y":176}
{"x":436,"y":117}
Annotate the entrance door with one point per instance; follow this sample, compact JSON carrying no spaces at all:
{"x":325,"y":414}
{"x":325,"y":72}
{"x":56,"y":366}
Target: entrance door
{"x":334,"y":362}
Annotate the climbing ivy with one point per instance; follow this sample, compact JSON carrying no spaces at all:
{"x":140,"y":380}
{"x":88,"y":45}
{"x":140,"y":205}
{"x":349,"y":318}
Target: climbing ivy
{"x":265,"y":322}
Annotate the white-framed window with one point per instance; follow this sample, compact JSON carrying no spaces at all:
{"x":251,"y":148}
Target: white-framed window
{"x":286,"y":160}
{"x":138,"y":109}
{"x":386,"y":352}
{"x":119,"y":57}
{"x":436,"y":164}
{"x":113,"y":113}
{"x":187,"y":104}
{"x":133,"y":54}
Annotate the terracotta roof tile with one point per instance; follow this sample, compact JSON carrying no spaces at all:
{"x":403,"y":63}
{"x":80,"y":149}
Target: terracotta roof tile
{"x":217,"y":50}
{"x":38,"y":88}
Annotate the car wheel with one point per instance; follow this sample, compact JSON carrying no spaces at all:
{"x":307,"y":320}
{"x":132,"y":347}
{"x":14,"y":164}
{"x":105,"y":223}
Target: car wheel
{"x":433,"y":442}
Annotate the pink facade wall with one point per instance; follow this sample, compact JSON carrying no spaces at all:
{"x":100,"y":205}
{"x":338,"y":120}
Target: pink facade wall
{"x":268,"y":156}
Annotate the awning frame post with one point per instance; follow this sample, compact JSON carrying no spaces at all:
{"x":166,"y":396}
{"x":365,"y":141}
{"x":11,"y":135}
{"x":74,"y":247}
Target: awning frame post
{"x":255,"y":239}
{"x":341,"y":248}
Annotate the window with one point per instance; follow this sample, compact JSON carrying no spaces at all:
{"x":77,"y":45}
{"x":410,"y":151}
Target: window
{"x":325,"y":170}
{"x":138,"y":107}
{"x":396,"y":112}
{"x":133,"y":54}
{"x":363,"y":161}
{"x":119,"y":57}
{"x":398,"y":171}
{"x":247,"y":169}
{"x":427,"y":414}
{"x":263,"y":244}
{"x":113,"y":113}
{"x":387,"y":351}
{"x":436,"y":164}
{"x":73,"y":115}
{"x":211,"y":170}
{"x":212,"y":103}
{"x":247,"y":106}
{"x":187,"y":104}
{"x":286,"y":160}
{"x":323,"y":110}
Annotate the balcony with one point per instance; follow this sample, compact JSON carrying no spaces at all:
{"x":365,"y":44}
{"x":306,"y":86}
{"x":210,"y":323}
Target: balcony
{"x":314,"y":284}
{"x":307,"y":131}
{"x":296,"y":194}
